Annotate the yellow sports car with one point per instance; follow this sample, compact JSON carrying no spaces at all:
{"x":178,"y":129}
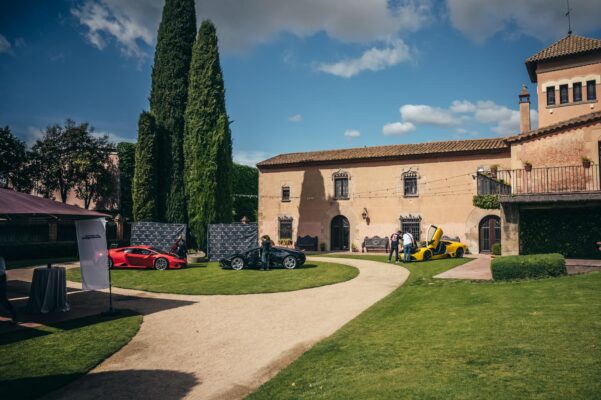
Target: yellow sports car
{"x":436,"y":248}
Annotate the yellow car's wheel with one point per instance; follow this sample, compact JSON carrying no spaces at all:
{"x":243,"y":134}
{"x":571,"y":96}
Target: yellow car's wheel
{"x":427,"y":255}
{"x":459,"y":252}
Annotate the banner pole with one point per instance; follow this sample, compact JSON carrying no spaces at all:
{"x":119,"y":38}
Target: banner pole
{"x":110,"y":292}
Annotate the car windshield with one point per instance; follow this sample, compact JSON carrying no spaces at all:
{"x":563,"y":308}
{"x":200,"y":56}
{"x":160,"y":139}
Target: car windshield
{"x":158,"y":250}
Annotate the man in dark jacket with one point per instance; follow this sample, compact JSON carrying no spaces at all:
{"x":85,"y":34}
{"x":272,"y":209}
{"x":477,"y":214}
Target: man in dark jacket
{"x":265,"y":250}
{"x":394,"y":246}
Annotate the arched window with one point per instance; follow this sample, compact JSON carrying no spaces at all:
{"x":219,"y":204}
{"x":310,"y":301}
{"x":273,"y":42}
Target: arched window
{"x":410,"y":184}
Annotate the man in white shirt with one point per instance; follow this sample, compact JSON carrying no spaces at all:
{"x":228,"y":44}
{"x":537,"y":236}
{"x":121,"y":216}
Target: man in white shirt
{"x":407,"y":244}
{"x":3,"y":296}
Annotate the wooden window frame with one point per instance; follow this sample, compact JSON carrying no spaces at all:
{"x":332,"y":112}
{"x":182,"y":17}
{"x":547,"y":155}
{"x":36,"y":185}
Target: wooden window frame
{"x":551,"y":95}
{"x":285,"y":220}
{"x":591,"y":84}
{"x":564,"y":90}
{"x":286,"y":198}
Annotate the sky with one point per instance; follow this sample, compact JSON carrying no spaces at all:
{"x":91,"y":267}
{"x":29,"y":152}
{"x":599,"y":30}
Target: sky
{"x":300,"y":75}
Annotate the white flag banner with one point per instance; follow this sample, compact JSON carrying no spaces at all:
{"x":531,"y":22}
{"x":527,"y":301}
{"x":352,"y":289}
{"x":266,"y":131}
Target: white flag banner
{"x":93,"y":258}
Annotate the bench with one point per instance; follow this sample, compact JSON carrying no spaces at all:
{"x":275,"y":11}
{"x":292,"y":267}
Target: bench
{"x":375,"y":244}
{"x":307,"y":243}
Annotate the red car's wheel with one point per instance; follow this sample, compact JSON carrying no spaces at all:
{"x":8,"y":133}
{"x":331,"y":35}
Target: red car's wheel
{"x":161,"y":264}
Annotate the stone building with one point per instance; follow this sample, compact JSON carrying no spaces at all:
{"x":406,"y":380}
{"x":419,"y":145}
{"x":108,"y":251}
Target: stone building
{"x":344,"y":196}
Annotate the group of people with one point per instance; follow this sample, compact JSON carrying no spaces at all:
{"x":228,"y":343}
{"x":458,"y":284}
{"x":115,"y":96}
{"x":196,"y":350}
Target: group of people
{"x":395,"y":240}
{"x":179,"y":248}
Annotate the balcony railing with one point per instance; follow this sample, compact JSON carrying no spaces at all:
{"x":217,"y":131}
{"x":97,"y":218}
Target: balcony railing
{"x":550,"y":180}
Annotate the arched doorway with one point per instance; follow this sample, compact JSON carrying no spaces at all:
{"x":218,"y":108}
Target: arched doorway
{"x":489,"y":232}
{"x":339,"y":233}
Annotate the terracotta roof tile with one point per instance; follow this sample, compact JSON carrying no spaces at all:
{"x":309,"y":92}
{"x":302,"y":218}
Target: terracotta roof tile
{"x":399,"y":151}
{"x":569,"y":45}
{"x":567,"y":124}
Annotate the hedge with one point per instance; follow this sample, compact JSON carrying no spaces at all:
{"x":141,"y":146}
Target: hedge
{"x":486,"y":201}
{"x":528,"y":266}
{"x":573,"y":232}
{"x":496,"y":249}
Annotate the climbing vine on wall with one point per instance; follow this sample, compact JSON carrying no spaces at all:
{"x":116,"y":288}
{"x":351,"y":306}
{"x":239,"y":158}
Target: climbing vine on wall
{"x":486,"y":201}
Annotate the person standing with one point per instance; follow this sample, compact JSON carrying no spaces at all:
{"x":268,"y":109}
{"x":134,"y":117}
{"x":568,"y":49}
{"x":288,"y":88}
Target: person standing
{"x":3,"y":296}
{"x":394,"y":246}
{"x":265,"y":250}
{"x":407,"y":245}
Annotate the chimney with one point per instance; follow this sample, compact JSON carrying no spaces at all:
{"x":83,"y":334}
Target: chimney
{"x":524,"y":110}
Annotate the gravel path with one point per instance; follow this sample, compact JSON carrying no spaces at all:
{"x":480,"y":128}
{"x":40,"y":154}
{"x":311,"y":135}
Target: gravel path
{"x":223,"y":347}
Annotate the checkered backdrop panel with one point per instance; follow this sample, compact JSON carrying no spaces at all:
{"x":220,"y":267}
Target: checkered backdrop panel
{"x":156,"y":234}
{"x":227,"y":239}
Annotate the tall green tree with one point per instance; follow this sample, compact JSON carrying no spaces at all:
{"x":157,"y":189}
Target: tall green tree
{"x":96,"y":172}
{"x":145,"y":180}
{"x":207,"y":139}
{"x":168,"y":97}
{"x":126,"y":153}
{"x":245,"y":184}
{"x":14,"y":162}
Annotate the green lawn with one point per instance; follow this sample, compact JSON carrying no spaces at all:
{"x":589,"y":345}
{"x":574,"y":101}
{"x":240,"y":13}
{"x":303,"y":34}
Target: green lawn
{"x":36,"y":361}
{"x":208,"y":279}
{"x":440,"y":339}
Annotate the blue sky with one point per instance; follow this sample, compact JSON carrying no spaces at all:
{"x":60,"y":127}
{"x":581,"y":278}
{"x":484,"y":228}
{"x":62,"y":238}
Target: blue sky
{"x":299,"y":75}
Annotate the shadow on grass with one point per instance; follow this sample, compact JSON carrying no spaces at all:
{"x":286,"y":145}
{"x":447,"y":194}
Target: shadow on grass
{"x":32,"y":332}
{"x":127,"y":384}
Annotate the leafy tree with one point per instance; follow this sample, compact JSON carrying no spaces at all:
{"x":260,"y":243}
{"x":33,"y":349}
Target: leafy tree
{"x":13,"y":162}
{"x":56,"y":156}
{"x":207,"y":139}
{"x":144,"y":192}
{"x":245,"y":184}
{"x":95,"y":171}
{"x":168,"y":103}
{"x":126,"y":153}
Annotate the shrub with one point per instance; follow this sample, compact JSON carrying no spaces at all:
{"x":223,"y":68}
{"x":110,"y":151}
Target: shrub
{"x":496,"y":249}
{"x":486,"y":201}
{"x":529,"y":266}
{"x":322,"y":246}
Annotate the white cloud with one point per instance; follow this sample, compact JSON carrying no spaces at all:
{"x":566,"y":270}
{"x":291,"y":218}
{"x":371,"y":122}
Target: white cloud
{"x":243,"y":24}
{"x":114,"y":138}
{"x":542,"y":19}
{"x":123,"y":21}
{"x":373,"y":59}
{"x":250,"y":158}
{"x":461,"y":116}
{"x":295,"y":118}
{"x":33,"y":134}
{"x":397,"y":128}
{"x":352,"y":133}
{"x":5,"y":46}
{"x":427,"y":115}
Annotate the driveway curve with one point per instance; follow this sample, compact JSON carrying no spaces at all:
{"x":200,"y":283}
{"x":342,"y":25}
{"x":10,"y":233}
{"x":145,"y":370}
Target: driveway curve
{"x":223,"y":347}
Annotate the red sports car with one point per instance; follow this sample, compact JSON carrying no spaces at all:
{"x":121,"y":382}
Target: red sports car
{"x":144,"y":257}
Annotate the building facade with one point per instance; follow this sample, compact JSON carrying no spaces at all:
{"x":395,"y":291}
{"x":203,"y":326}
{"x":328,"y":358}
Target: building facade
{"x":344,"y":196}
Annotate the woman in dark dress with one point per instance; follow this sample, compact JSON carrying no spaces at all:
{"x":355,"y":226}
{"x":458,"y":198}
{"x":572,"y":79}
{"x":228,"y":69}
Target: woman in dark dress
{"x":265,"y":249}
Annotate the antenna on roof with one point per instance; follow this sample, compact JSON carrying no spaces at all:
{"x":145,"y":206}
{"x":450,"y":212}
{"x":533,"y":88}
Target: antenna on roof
{"x":569,"y":15}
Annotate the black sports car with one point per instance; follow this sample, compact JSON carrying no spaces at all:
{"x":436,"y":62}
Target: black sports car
{"x":287,"y":258}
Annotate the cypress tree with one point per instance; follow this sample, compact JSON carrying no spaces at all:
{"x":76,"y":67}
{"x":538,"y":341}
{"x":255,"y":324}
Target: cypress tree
{"x":145,"y":173}
{"x":126,"y":153}
{"x":168,"y":103}
{"x":207,"y":139}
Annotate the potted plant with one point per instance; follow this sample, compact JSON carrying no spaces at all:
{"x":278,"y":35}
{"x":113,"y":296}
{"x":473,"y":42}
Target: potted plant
{"x":528,"y":166}
{"x":354,"y":248}
{"x":586,"y":162}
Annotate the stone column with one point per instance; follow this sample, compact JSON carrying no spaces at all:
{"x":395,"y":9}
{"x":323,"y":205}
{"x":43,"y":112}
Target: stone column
{"x":510,"y":229}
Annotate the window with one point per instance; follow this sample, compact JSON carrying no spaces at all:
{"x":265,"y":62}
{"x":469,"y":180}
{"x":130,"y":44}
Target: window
{"x":591,"y":90}
{"x":411,"y":224}
{"x":410,"y":183}
{"x":285,"y":193}
{"x":551,"y":95}
{"x":563,"y":94}
{"x":577,"y":91}
{"x":340,"y":185}
{"x":285,"y":228}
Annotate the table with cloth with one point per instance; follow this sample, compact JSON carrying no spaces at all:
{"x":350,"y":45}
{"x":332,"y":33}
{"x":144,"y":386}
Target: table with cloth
{"x":48,"y":292}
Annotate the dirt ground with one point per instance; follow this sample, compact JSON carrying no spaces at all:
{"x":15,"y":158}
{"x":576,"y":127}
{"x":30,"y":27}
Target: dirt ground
{"x":223,"y":347}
